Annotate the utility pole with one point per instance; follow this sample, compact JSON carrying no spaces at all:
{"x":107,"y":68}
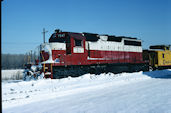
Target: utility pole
{"x":44,"y":34}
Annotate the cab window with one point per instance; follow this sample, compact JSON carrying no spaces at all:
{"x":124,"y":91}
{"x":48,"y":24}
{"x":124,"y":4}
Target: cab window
{"x":163,"y":55}
{"x":78,"y":42}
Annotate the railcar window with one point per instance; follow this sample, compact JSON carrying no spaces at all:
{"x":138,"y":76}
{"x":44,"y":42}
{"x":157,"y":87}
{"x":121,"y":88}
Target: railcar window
{"x":133,"y":43}
{"x":167,"y":48}
{"x":78,"y":42}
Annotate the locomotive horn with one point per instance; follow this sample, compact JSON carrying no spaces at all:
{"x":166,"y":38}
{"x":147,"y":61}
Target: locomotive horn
{"x":57,"y":30}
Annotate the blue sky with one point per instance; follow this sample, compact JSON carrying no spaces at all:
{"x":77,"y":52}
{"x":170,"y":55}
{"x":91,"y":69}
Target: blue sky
{"x":24,"y":20}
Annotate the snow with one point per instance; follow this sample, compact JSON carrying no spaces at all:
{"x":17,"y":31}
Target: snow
{"x":33,"y":68}
{"x":139,"y":92}
{"x":48,"y":49}
{"x":13,"y":74}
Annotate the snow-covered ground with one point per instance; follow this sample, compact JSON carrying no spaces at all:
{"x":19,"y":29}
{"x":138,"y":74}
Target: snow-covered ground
{"x":13,"y":74}
{"x":139,"y":92}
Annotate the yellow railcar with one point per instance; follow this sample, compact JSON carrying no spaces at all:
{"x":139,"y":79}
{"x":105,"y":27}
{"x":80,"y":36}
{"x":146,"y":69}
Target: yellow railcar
{"x":159,"y":56}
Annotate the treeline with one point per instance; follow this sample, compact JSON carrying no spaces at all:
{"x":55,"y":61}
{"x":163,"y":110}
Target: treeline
{"x":15,"y":61}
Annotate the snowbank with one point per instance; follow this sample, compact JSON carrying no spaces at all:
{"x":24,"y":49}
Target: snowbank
{"x":15,"y":74}
{"x":105,"y":93}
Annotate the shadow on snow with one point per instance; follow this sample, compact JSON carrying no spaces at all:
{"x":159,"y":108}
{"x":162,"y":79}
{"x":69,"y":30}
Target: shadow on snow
{"x":164,"y":74}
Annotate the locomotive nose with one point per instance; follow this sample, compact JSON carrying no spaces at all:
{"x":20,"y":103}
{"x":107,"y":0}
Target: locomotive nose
{"x":46,"y":47}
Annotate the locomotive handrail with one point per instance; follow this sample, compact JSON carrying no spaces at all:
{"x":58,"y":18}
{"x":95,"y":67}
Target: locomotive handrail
{"x":43,"y":61}
{"x":42,"y":56}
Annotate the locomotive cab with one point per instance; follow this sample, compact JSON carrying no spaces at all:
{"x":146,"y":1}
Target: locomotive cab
{"x":63,"y":49}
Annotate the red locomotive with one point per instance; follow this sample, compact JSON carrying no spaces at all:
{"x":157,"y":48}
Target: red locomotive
{"x":74,"y":54}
